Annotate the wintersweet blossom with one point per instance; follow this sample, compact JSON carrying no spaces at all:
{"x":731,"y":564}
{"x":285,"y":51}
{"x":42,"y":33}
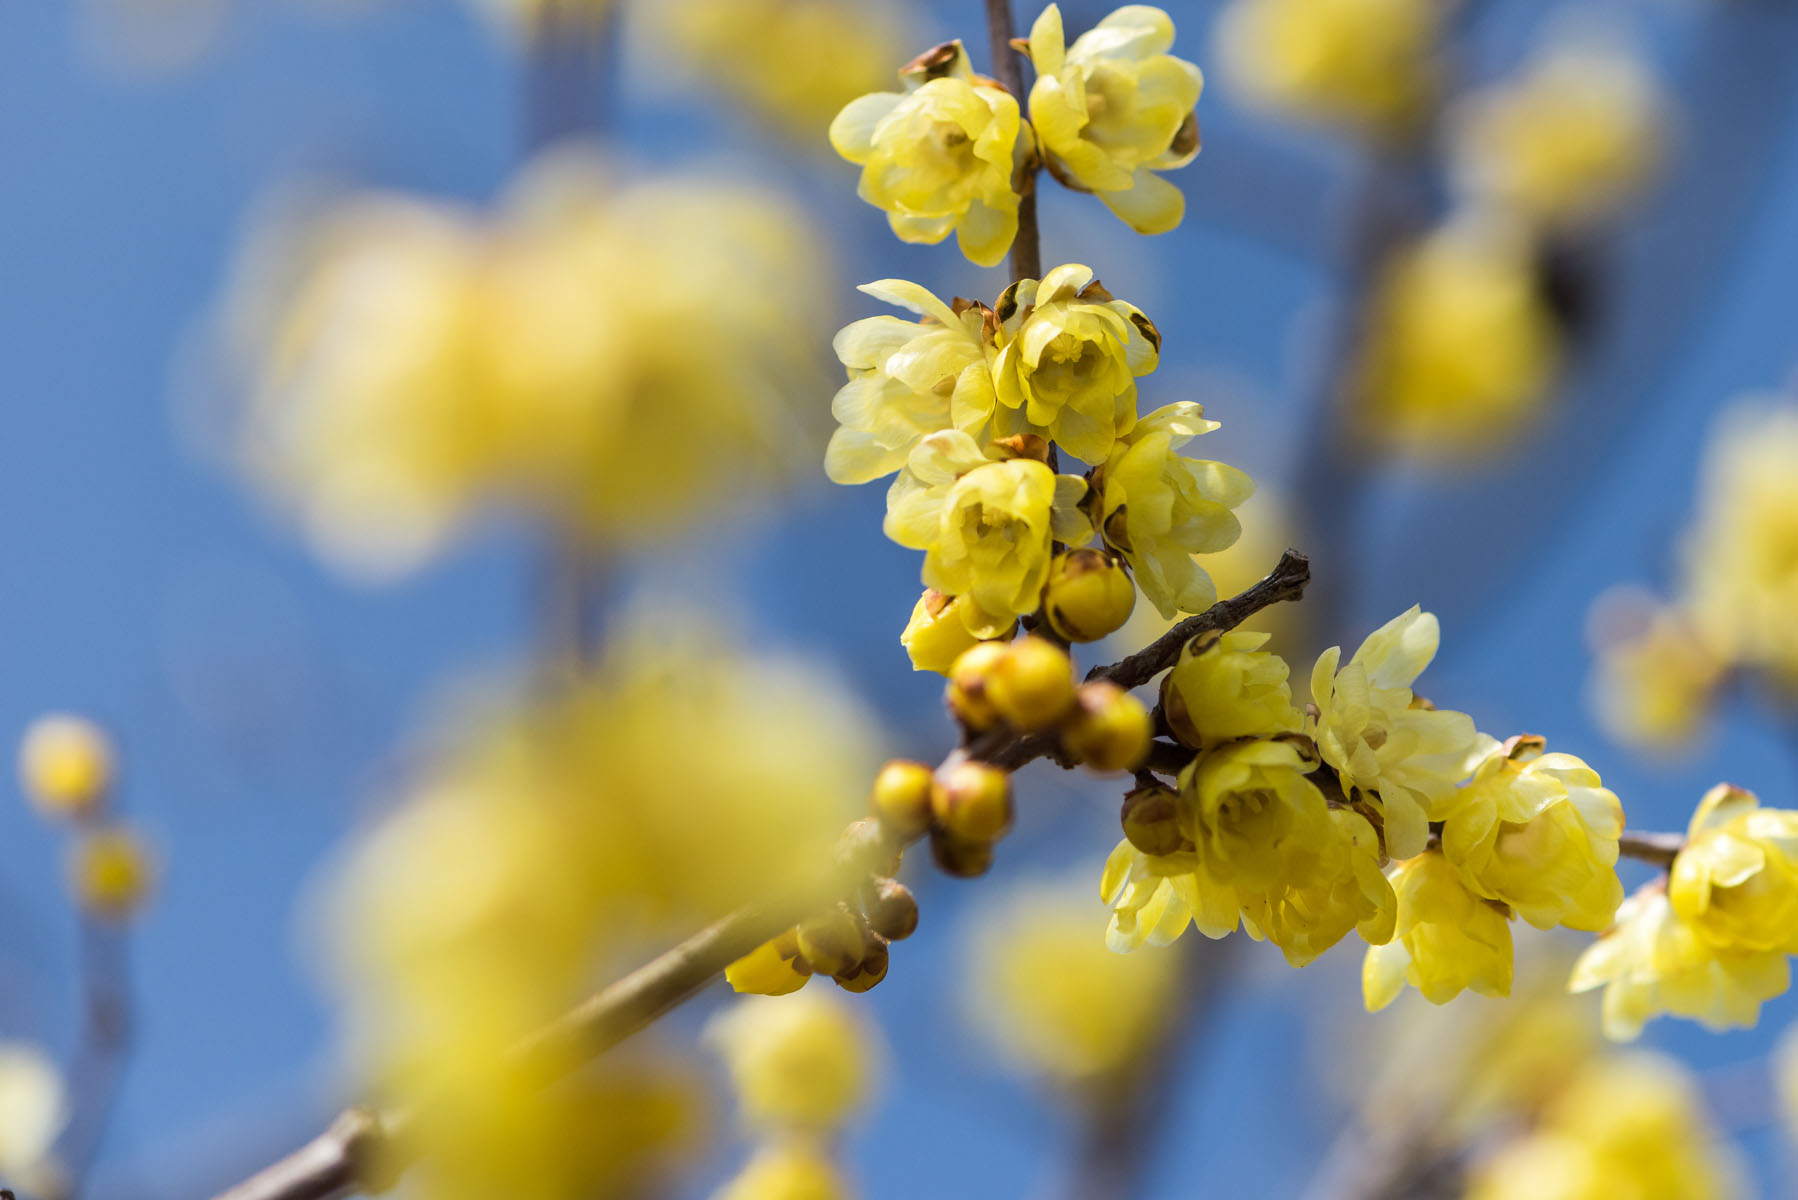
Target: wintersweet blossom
{"x":1371,"y":729}
{"x":937,"y":634}
{"x":940,"y":156}
{"x":787,"y":1171}
{"x":1159,"y":509}
{"x":798,"y":1064}
{"x":1154,"y":897}
{"x":1114,"y":109}
{"x":1254,"y":818}
{"x":33,"y":1110}
{"x":1068,"y":361}
{"x":1348,"y":890}
{"x":1736,"y":880}
{"x":1225,"y":686}
{"x":1654,"y":676}
{"x":1446,"y":939}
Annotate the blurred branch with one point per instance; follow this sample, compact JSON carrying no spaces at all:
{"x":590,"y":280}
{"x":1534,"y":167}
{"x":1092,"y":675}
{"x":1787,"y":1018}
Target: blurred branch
{"x":337,"y":1161}
{"x":105,"y":1045}
{"x":1008,"y":69}
{"x":1657,"y":848}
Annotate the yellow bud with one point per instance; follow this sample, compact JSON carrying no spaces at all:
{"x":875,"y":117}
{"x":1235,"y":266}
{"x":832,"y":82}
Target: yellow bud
{"x":901,"y":798}
{"x":1110,"y":729}
{"x":65,"y":766}
{"x":832,"y":943}
{"x":960,"y":857}
{"x":1032,"y":687}
{"x":1089,"y":595}
{"x":892,"y":910}
{"x":967,"y":685}
{"x":773,"y":968}
{"x":1151,"y":821}
{"x":869,"y":971}
{"x":110,"y":873}
{"x":936,"y":635}
{"x":974,"y":802}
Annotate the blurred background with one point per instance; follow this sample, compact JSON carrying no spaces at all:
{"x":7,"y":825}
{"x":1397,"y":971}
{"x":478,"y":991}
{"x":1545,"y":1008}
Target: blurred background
{"x":260,"y":698}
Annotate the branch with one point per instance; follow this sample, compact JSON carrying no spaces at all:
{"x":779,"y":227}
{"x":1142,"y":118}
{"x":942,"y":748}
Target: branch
{"x":105,"y":1048}
{"x":1657,"y":848}
{"x":1026,"y":247}
{"x":336,"y":1162}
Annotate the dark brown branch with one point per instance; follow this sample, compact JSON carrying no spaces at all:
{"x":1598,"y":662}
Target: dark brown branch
{"x":1008,"y":69}
{"x":1657,"y":848}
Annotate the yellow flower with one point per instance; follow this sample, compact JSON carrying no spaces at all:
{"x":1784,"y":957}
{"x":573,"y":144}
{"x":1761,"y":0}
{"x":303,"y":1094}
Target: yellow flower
{"x":1068,"y":361}
{"x":906,"y":381}
{"x":1113,"y":109}
{"x":771,"y":969}
{"x":1053,"y":998}
{"x":110,"y":872}
{"x":1255,"y":819}
{"x":1446,"y":939}
{"x":1652,"y":962}
{"x":1569,"y":140}
{"x":1537,"y":832}
{"x":1347,"y":891}
{"x":986,"y":527}
{"x":1154,"y":897}
{"x":936,"y":634}
{"x":1363,"y":63}
{"x":1158,"y":509}
{"x":1736,"y":881}
{"x":799,"y":1064}
{"x":1655,"y":677}
{"x":940,"y":156}
{"x":65,"y":766}
{"x":1462,"y":348}
{"x":1741,"y":563}
{"x":786,"y":1171}
{"x":1370,"y":728}
{"x":32,"y":1114}
{"x":1225,"y":686}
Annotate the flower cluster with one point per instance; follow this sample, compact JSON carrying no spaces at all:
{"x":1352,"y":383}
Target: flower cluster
{"x":953,"y":152}
{"x":66,"y":769}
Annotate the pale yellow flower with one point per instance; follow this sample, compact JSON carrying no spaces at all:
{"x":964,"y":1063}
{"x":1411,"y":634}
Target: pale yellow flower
{"x":65,"y":766}
{"x":1446,"y":939}
{"x":906,"y":381}
{"x":1068,"y":361}
{"x":787,"y":1171}
{"x":1736,"y":880}
{"x":33,"y":1110}
{"x":798,"y":1064}
{"x":1159,"y":509}
{"x":1654,"y":677}
{"x":937,"y":634}
{"x":1115,"y":108}
{"x":1369,"y":728}
{"x":1347,"y":890}
{"x":1255,"y":819}
{"x":110,"y":872}
{"x":940,"y":156}
{"x":1462,"y":348}
{"x":1225,"y":686}
{"x":1362,"y":63}
{"x":1154,"y":897}
{"x":987,"y":527}
{"x":1652,"y":962}
{"x":1538,"y":833}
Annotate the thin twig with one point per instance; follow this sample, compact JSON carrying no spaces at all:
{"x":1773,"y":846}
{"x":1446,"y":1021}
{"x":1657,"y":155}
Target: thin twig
{"x":105,"y":1047}
{"x":1657,"y":848}
{"x":1008,"y":69}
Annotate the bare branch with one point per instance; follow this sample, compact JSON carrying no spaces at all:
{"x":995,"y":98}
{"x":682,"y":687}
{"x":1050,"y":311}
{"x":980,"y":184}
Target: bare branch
{"x":1008,"y":69}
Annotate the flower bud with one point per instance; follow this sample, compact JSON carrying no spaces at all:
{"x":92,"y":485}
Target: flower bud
{"x":1150,"y":816}
{"x":892,"y":910}
{"x":1032,"y":687}
{"x":832,"y":942}
{"x":936,"y":635}
{"x":65,"y":766}
{"x":869,"y":971}
{"x":1110,"y":729}
{"x":865,"y":846}
{"x":1088,"y":596}
{"x":960,"y":857}
{"x":773,"y":968}
{"x":967,"y":691}
{"x":901,"y":798}
{"x":110,"y":873}
{"x":974,"y":802}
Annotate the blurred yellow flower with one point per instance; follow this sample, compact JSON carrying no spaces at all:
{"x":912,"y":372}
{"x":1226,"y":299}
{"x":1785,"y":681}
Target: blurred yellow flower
{"x":1159,"y":509}
{"x":1446,"y":939}
{"x":1461,"y":348}
{"x":33,"y":1110}
{"x":1736,"y":881}
{"x":941,"y":155}
{"x":1361,"y":63}
{"x":1654,"y":677}
{"x":1567,"y":141}
{"x":1052,"y":998}
{"x":110,"y":872}
{"x":1115,"y":108}
{"x":787,"y":1171}
{"x":1068,"y":361}
{"x":907,"y":380}
{"x":1225,"y":686}
{"x":65,"y":766}
{"x":1537,"y":832}
{"x":800,"y":1064}
{"x":1652,"y":962}
{"x":1370,"y":728}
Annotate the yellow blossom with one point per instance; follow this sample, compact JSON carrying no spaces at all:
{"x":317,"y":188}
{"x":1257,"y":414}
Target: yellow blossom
{"x":786,"y":1171}
{"x":65,"y":766}
{"x":1044,"y":988}
{"x":1154,"y":897}
{"x":1089,"y":595}
{"x":936,"y":634}
{"x":940,"y":155}
{"x":1736,"y":880}
{"x":1158,"y":509}
{"x":1446,"y":939}
{"x":1537,"y":832}
{"x":1362,"y":63}
{"x":1348,"y":890}
{"x":986,"y":527}
{"x":1253,"y":816}
{"x":907,"y":380}
{"x":1225,"y":686}
{"x":1113,"y":109}
{"x":1567,"y":141}
{"x":1068,"y":361}
{"x":798,"y":1064}
{"x":771,"y":969}
{"x":1652,"y":962}
{"x":1369,"y":728}
{"x":1654,"y":677}
{"x":110,"y":872}
{"x":32,"y":1113}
